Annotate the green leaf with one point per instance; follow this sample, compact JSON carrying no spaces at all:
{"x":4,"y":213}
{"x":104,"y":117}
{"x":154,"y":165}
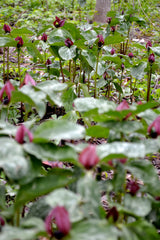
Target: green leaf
{"x":68,"y":98}
{"x":51,"y":152}
{"x":82,"y":3}
{"x":52,"y":89}
{"x":156,"y":50}
{"x":59,"y":32}
{"x":90,"y":57}
{"x":7,"y":129}
{"x":31,"y":95}
{"x":93,"y":229}
{"x":34,"y":52}
{"x":67,"y":53}
{"x":21,"y":31}
{"x":73,"y":30}
{"x":114,"y":38}
{"x":89,"y":103}
{"x":144,"y":170}
{"x":139,"y":230}
{"x":56,"y":178}
{"x":128,"y":127}
{"x":138,"y":71}
{"x":121,"y":149}
{"x":89,"y":190}
{"x":32,"y":228}
{"x":2,"y":196}
{"x":97,"y":131}
{"x":12,"y":159}
{"x":58,"y":129}
{"x":85,"y":90}
{"x":113,"y":58}
{"x":140,"y":206}
{"x":7,"y":42}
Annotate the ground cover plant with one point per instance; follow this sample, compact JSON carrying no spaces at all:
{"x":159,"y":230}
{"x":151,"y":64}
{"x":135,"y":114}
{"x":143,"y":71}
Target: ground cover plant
{"x":79,"y":121}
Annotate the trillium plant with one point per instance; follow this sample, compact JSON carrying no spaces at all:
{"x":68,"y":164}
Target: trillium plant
{"x":79,"y":121}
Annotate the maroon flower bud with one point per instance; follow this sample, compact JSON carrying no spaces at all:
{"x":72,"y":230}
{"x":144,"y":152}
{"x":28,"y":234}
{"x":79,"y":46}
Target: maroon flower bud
{"x":130,"y":55}
{"x":151,"y":58}
{"x":58,"y":22}
{"x":109,"y":19}
{"x":44,"y":37}
{"x":154,"y":128}
{"x":21,"y":132}
{"x":100,"y":41}
{"x":148,"y":45}
{"x":2,"y":222}
{"x":51,"y":164}
{"x":123,"y":106}
{"x":113,"y":29}
{"x":48,"y":62}
{"x":113,"y":213}
{"x":132,"y":187}
{"x":60,"y":216}
{"x":28,"y":80}
{"x":6,"y":28}
{"x":122,"y":67}
{"x":123,"y":160}
{"x":112,"y":51}
{"x":105,"y":75}
{"x":20,"y":42}
{"x":122,"y":12}
{"x":157,"y":198}
{"x":8,"y":88}
{"x":88,"y":157}
{"x":68,"y":42}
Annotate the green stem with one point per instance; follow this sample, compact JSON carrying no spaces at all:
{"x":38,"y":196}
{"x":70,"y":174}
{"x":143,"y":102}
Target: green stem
{"x":120,"y":86}
{"x":45,"y":56}
{"x":70,"y":73}
{"x":131,"y":89}
{"x":127,"y":43}
{"x":60,"y":62}
{"x":134,"y":88}
{"x":19,"y":69}
{"x":88,"y":82}
{"x":7,"y":63}
{"x":149,"y":83}
{"x":18,"y":217}
{"x":74,"y":70}
{"x":80,"y":76}
{"x":4,"y":64}
{"x":95,"y":80}
{"x":109,"y":87}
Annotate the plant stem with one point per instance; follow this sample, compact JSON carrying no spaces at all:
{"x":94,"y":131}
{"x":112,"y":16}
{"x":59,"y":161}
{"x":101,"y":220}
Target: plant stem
{"x":88,"y":81}
{"x":120,"y":86}
{"x":4,"y":64}
{"x":149,"y":83}
{"x":95,"y":80}
{"x":7,"y":63}
{"x":74,"y":70}
{"x":19,"y":69}
{"x":70,"y":73}
{"x":80,"y":76}
{"x":17,"y":217}
{"x":44,"y":56}
{"x":60,"y":62}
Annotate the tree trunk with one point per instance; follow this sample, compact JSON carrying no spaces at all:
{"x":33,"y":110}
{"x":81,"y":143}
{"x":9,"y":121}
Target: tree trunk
{"x":102,"y":7}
